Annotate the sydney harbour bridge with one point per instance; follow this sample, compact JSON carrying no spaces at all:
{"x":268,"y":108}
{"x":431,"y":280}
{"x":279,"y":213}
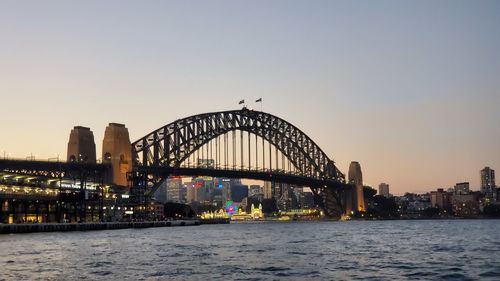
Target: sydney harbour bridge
{"x":232,"y":144}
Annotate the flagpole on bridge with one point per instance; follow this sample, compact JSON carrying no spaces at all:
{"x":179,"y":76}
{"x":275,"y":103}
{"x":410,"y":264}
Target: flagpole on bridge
{"x":259,"y":100}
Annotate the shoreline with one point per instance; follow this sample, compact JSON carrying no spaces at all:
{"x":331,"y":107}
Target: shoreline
{"x":66,"y":227}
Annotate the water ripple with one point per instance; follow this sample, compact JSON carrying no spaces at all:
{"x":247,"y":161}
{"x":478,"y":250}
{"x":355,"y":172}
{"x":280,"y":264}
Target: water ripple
{"x":378,"y":250}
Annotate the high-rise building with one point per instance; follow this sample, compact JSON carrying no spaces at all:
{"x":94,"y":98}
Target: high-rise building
{"x":383,"y":190}
{"x":226,"y":189}
{"x":461,"y":188}
{"x":190,"y":192}
{"x":307,"y":200}
{"x":117,"y":150}
{"x":176,"y":192}
{"x":161,"y":193}
{"x":287,"y":199}
{"x":355,"y":177}
{"x":203,"y":187}
{"x":268,"y":190}
{"x":488,"y":181}
{"x":238,"y":192}
{"x":81,"y":145}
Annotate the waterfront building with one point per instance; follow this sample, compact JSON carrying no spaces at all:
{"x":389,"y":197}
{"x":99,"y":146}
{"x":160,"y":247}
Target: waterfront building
{"x":440,"y":199}
{"x":81,"y":145}
{"x":418,"y":206}
{"x":488,"y":181}
{"x":465,"y":205}
{"x":158,"y":211}
{"x":383,"y":190}
{"x":45,"y":199}
{"x":257,"y":213}
{"x":116,"y":150}
{"x":461,"y":188}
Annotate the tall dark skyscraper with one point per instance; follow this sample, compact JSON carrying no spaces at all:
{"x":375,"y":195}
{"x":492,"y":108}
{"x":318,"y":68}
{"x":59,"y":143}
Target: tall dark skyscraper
{"x":239,"y":192}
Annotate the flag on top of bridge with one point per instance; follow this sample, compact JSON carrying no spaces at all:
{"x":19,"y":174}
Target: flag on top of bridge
{"x":259,"y":100}
{"x":241,"y":102}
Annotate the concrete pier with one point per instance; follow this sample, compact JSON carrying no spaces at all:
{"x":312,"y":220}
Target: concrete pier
{"x":51,"y":227}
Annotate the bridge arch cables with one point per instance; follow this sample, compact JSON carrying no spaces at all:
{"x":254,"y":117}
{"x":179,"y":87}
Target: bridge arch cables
{"x":237,"y":140}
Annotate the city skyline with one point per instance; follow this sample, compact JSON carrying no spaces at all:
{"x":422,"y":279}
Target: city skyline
{"x":412,"y":95}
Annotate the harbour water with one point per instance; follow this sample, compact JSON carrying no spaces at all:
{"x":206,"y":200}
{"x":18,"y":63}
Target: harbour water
{"x":364,"y":250}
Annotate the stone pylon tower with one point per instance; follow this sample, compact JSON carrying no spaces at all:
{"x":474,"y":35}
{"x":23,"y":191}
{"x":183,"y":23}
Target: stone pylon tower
{"x":355,"y":177}
{"x":81,"y":145}
{"x":117,"y":150}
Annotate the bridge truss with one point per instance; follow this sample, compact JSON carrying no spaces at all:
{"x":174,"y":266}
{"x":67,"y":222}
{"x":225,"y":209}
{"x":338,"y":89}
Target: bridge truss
{"x":238,"y":143}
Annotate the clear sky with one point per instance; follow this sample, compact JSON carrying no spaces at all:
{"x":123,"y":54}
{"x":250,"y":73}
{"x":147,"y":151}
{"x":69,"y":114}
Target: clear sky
{"x":410,"y":89}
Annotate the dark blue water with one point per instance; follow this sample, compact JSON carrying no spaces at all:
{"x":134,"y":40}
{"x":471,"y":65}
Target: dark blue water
{"x":378,"y":250}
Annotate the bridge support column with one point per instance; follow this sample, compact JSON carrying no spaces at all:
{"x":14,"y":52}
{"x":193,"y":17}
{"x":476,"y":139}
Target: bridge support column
{"x":332,"y":202}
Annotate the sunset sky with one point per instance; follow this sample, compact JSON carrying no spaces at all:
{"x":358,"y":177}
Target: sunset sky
{"x":410,"y":89}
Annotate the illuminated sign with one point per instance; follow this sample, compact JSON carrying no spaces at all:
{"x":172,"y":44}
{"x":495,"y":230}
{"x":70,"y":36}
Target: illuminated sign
{"x":231,"y":208}
{"x":77,"y":186}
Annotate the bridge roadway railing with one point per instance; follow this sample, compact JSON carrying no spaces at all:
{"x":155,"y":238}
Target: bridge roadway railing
{"x":265,"y":175}
{"x":54,"y":166}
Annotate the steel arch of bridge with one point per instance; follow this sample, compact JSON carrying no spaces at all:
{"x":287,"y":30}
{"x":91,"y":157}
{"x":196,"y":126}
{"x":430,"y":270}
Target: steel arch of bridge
{"x":172,"y":144}
{"x":164,"y":150}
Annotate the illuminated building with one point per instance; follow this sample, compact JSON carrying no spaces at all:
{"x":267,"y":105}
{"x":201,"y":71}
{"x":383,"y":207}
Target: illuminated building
{"x":176,"y":192}
{"x":307,"y":200}
{"x":461,"y":188}
{"x":220,"y":214}
{"x":288,"y":199}
{"x":488,"y":182}
{"x":356,"y":179}
{"x":465,"y":204}
{"x":257,"y":213}
{"x":81,"y":145}
{"x":117,"y":150}
{"x":42,"y":199}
